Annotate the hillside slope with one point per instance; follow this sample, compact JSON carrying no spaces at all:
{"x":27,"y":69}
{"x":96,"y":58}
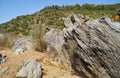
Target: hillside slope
{"x":51,"y":69}
{"x":51,"y":17}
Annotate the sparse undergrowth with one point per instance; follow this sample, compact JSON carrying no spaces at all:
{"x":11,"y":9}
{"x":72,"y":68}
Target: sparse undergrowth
{"x":51,"y":17}
{"x":38,"y":38}
{"x":5,"y":41}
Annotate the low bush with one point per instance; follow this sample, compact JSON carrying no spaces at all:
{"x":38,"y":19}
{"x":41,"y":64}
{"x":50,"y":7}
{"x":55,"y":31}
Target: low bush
{"x":5,"y":41}
{"x":38,"y":37}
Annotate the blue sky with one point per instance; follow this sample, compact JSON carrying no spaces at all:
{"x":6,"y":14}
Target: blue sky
{"x":12,"y":8}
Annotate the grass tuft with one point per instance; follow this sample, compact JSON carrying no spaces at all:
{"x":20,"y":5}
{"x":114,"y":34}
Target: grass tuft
{"x":38,"y":37}
{"x":5,"y":41}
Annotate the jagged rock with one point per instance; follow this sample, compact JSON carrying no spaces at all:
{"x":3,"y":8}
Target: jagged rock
{"x":22,"y":44}
{"x":97,"y":52}
{"x":3,"y":58}
{"x":55,"y":42}
{"x":3,"y":70}
{"x":114,"y":25}
{"x":93,"y":47}
{"x":30,"y":69}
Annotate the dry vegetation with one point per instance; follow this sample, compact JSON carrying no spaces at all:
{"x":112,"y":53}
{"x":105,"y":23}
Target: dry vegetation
{"x":51,"y":16}
{"x":5,"y":41}
{"x":51,"y":69}
{"x":38,"y":36}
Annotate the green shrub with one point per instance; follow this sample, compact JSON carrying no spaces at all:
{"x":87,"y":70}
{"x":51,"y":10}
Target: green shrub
{"x":51,"y":16}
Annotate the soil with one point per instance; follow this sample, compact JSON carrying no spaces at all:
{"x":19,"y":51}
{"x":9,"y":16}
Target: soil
{"x":51,"y":69}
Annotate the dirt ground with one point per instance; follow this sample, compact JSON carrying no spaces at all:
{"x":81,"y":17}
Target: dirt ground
{"x":51,"y":70}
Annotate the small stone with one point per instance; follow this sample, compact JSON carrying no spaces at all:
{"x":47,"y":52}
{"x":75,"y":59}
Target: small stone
{"x":3,"y":70}
{"x":3,"y":58}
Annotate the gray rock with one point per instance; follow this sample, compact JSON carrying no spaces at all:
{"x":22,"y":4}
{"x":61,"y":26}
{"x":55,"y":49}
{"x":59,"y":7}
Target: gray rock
{"x":92,"y":47}
{"x":113,"y":25}
{"x":96,"y":54}
{"x":55,"y":42}
{"x":22,"y":44}
{"x":54,"y":39}
{"x":30,"y":69}
{"x":3,"y":58}
{"x":3,"y":70}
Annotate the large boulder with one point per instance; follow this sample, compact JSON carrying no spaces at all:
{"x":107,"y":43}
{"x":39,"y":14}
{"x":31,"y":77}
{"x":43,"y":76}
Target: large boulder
{"x":30,"y":69}
{"x":22,"y":44}
{"x":93,"y":46}
{"x":55,"y":43}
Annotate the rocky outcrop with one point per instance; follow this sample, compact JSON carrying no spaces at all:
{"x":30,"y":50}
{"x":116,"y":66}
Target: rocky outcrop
{"x":93,"y":47}
{"x":97,"y":52}
{"x":30,"y":69}
{"x":22,"y":44}
{"x":3,"y":58}
{"x":55,"y":41}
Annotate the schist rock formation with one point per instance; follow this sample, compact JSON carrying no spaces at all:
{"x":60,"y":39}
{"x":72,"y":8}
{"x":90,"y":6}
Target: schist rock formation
{"x":92,"y":47}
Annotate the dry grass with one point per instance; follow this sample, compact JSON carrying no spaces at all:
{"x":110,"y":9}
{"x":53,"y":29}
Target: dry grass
{"x":38,"y":36}
{"x":5,"y":41}
{"x":14,"y":63}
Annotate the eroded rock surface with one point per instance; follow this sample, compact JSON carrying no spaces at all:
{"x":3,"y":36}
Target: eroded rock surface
{"x":113,"y":25}
{"x":22,"y":44}
{"x":93,"y":47}
{"x":55,"y":45}
{"x":97,"y":52}
{"x":30,"y":69}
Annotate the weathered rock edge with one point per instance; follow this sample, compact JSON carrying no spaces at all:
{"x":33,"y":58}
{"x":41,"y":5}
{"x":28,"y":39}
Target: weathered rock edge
{"x":93,"y":46}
